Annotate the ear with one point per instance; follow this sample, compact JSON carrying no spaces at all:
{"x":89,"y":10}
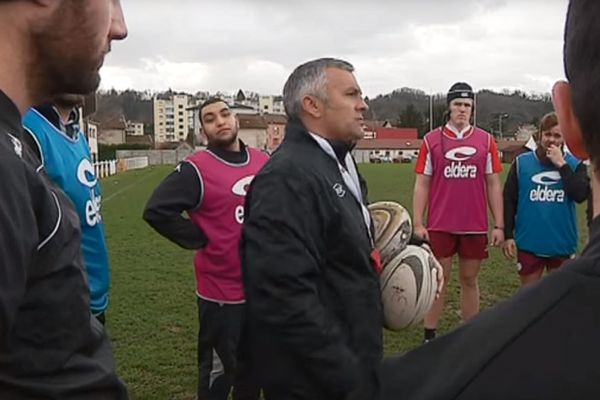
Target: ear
{"x":569,"y":124}
{"x":312,"y":106}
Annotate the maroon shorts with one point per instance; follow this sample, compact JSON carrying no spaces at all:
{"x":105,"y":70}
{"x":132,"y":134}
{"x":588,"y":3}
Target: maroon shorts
{"x":469,"y":246}
{"x":528,"y":263}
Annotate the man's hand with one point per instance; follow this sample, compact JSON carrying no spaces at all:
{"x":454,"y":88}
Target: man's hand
{"x":497,"y":237}
{"x":510,"y":249}
{"x":421,"y":231}
{"x":555,"y":155}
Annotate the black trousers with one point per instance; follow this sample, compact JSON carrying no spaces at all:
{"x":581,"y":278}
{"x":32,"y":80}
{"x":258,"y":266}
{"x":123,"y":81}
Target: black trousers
{"x":220,"y":366}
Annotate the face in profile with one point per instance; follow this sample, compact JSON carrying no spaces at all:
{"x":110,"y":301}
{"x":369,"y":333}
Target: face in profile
{"x":71,"y":43}
{"x":344,"y":107}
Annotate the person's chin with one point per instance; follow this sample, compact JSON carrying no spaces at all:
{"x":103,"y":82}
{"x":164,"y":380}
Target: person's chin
{"x":358,"y":135}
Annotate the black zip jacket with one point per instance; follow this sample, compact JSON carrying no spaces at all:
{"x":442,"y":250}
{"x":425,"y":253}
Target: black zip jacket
{"x":542,"y":344}
{"x":50,"y":345}
{"x":315,"y":324}
{"x":576,"y":183}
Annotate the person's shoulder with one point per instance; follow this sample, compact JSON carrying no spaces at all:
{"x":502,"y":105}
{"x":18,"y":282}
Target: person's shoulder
{"x":432,"y":133}
{"x":12,"y":151}
{"x":527,"y":155}
{"x":18,"y":177}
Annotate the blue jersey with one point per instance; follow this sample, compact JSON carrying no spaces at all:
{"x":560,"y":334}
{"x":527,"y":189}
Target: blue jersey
{"x":68,"y":163}
{"x":546,"y":220}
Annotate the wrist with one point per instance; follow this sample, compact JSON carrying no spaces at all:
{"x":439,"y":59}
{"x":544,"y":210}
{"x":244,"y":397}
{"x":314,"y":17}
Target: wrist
{"x":499,"y":227}
{"x":558,"y":161}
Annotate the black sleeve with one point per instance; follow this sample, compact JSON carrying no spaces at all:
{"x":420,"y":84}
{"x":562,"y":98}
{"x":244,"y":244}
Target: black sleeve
{"x":577,"y":183}
{"x":18,"y":235}
{"x":511,"y":199}
{"x":34,"y":146}
{"x":281,"y":256}
{"x":178,"y":192}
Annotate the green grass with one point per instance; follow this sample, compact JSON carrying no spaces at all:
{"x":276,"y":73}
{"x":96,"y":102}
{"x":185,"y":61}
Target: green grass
{"x":152,"y":319}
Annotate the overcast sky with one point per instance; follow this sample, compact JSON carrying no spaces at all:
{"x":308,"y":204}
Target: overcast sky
{"x":193,"y":45}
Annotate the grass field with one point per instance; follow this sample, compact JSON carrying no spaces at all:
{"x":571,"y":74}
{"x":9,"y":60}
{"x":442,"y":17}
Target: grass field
{"x":152,"y":318}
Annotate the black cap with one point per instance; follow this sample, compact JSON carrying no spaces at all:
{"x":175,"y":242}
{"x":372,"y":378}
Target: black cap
{"x":460,"y":90}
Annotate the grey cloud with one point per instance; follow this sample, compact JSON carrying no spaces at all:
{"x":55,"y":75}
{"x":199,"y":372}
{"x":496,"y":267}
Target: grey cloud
{"x":393,"y":43}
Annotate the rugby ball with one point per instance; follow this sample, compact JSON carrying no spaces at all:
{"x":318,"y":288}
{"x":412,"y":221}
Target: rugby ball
{"x":408,"y":287}
{"x":393,"y":228}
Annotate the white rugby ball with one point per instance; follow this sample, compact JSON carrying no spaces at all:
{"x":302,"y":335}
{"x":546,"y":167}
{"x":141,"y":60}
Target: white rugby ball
{"x":393,"y":228}
{"x":408,"y":287}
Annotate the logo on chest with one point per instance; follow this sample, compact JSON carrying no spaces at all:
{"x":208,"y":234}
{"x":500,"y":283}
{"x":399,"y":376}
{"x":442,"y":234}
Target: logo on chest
{"x":87,"y":177}
{"x":543,"y":192}
{"x":339,"y":190}
{"x":460,"y":168}
{"x":17,"y":145}
{"x":240,"y":188}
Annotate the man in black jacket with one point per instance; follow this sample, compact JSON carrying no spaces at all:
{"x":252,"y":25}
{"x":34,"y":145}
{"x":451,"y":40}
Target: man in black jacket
{"x":542,"y":343}
{"x":314,"y":312}
{"x":50,"y":345}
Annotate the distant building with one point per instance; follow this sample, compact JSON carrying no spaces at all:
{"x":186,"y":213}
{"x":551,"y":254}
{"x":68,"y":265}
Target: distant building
{"x":171,"y":119}
{"x":371,"y":125}
{"x":396,"y":133}
{"x":112,"y":131}
{"x":253,"y":130}
{"x":275,"y":130}
{"x":510,"y":149}
{"x":134,"y":128}
{"x":90,"y":130}
{"x":386,"y":150}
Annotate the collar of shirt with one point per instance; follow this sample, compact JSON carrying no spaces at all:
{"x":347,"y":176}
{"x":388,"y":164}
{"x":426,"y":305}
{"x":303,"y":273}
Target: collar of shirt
{"x":451,"y":131}
{"x":233,"y":157}
{"x":350,"y":177}
{"x":71,"y":128}
{"x":341,"y":149}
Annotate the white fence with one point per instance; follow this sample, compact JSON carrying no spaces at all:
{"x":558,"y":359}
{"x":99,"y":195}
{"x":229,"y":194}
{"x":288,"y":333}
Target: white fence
{"x":105,"y":168}
{"x":109,"y":168}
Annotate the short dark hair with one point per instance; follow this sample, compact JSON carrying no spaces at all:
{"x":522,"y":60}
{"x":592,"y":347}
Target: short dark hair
{"x":582,"y":68}
{"x":208,"y":102}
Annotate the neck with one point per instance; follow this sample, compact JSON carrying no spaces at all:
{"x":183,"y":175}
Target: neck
{"x":314,"y":127}
{"x":458,"y":127}
{"x":234,"y":146}
{"x":14,"y":73}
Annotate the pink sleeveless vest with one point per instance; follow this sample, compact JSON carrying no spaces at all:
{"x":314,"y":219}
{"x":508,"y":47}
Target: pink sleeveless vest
{"x":220,"y":216}
{"x":457,"y":194}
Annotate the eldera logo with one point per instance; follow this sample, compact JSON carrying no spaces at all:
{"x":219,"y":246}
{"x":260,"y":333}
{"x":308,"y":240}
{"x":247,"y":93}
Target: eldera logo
{"x":543,"y":192}
{"x":240,"y":188}
{"x":458,"y":170}
{"x":87,"y":177}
